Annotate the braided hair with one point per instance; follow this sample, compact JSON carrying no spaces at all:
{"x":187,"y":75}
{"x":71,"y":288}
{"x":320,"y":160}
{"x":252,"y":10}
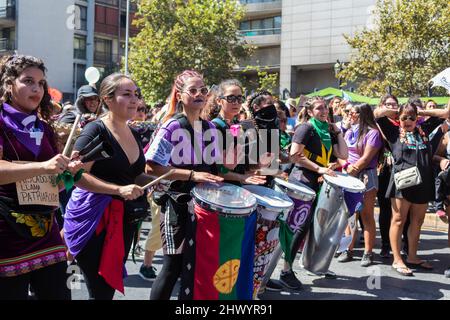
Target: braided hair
{"x":256,"y":99}
{"x":176,"y":106}
{"x":11,"y":67}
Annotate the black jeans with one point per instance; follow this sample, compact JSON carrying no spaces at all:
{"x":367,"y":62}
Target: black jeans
{"x":89,"y":261}
{"x":165,"y":281}
{"x":48,"y":283}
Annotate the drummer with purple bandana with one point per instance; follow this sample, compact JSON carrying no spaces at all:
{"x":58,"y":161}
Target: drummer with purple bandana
{"x":32,"y":252}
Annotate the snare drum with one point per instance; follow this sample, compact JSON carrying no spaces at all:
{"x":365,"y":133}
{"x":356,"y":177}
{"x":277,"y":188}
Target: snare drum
{"x":271,"y":205}
{"x":330,"y":221}
{"x":220,"y":244}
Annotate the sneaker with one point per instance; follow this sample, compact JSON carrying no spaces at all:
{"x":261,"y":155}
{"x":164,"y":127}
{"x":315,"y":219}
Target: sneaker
{"x":337,"y":254}
{"x":288,"y":279}
{"x":147,"y":273}
{"x":327,"y":275}
{"x":447,"y":273}
{"x":346,"y":256}
{"x":367,"y":259}
{"x":330,"y":275}
{"x":385,"y":253}
{"x":273,"y":285}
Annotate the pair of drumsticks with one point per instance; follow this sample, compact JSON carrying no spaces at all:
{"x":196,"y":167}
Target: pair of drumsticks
{"x":67,"y":149}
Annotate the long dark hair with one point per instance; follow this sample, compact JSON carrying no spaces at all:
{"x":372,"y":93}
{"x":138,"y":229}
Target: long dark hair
{"x":366,"y":120}
{"x":11,"y":67}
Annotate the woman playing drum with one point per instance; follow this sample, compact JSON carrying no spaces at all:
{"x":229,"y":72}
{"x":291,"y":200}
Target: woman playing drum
{"x":314,"y":141}
{"x":188,"y":98}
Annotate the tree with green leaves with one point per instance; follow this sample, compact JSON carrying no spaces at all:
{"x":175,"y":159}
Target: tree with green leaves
{"x":264,"y":81}
{"x":185,"y":34}
{"x":408,"y":44}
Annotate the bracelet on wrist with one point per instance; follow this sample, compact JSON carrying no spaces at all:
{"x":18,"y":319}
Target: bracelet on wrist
{"x":191,"y":175}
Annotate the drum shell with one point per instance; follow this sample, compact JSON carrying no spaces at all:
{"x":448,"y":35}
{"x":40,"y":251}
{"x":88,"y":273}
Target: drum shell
{"x":203,"y":261}
{"x":329,"y":223}
{"x":300,"y":211}
{"x":266,"y":241}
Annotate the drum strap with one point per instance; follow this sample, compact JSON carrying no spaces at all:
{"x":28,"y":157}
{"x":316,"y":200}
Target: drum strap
{"x":322,"y":160}
{"x":184,"y":124}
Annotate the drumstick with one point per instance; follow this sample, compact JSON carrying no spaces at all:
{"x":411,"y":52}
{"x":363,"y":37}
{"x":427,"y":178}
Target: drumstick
{"x":72,"y":132}
{"x":148,"y":185}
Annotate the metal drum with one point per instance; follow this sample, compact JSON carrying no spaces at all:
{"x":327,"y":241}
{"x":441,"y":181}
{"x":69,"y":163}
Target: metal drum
{"x":271,"y":205}
{"x":330,"y":220}
{"x":302,"y":197}
{"x":218,"y":260}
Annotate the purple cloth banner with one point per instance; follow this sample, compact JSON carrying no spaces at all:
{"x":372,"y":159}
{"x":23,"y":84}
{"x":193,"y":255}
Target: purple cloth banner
{"x":83,"y":213}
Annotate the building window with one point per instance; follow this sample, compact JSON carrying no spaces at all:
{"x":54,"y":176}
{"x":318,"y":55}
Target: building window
{"x":7,"y":9}
{"x":7,"y":37}
{"x":113,"y":3}
{"x":83,"y":18}
{"x":260,"y":27}
{"x":103,"y":51}
{"x":78,"y":75}
{"x":123,"y":20}
{"x":79,"y":47}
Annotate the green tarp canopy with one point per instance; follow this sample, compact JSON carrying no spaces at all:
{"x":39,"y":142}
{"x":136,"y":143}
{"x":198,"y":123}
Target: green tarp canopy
{"x":331,"y":92}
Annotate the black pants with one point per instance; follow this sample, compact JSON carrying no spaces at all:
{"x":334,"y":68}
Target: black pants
{"x":89,"y":261}
{"x":386,"y":210}
{"x":165,"y":281}
{"x":48,"y":283}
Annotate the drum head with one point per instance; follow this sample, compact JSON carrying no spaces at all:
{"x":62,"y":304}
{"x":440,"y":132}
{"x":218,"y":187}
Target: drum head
{"x":296,"y":190}
{"x":348,"y":183}
{"x":224,"y":198}
{"x":270,"y":199}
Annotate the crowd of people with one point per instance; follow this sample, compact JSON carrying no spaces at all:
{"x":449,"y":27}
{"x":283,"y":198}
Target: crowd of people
{"x":122,"y":143}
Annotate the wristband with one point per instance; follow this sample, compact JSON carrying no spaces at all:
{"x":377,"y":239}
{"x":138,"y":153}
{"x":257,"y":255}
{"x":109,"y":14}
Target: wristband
{"x":223,"y":169}
{"x":190,"y":175}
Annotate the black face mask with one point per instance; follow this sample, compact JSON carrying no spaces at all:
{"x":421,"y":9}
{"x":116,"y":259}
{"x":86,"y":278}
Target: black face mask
{"x":266,"y":118}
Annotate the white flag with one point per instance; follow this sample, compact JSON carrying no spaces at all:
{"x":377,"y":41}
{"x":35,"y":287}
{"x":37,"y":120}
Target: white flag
{"x":442,"y":79}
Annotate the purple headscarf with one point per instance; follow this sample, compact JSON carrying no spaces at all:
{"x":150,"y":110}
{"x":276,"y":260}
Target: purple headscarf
{"x":28,"y":129}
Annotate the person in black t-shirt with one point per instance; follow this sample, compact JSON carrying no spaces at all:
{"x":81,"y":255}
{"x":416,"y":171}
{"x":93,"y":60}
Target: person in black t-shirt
{"x":314,"y":141}
{"x":97,"y":227}
{"x":411,"y":146}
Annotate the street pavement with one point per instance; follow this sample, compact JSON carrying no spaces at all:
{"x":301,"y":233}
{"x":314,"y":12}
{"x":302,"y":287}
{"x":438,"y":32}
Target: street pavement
{"x":353,"y":282}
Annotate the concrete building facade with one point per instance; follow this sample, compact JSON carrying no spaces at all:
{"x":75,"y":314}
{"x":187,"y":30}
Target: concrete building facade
{"x":307,"y":39}
{"x":69,"y":35}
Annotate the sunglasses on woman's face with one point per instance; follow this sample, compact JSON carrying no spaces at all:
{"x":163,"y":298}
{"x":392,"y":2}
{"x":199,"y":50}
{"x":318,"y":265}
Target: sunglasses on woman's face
{"x":404,"y":118}
{"x":233,"y":99}
{"x":193,"y":91}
